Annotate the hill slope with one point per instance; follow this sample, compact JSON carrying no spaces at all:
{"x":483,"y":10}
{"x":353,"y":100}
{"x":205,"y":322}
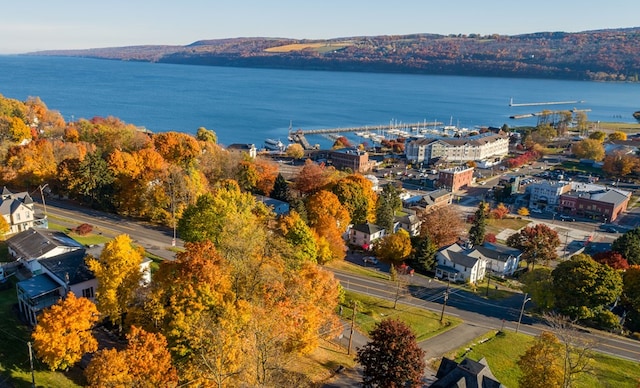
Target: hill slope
{"x":604,"y":55}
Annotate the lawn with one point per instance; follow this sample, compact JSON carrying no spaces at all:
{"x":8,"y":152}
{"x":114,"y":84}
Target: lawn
{"x":496,"y":226}
{"x":425,"y":324}
{"x":502,"y":352}
{"x":14,"y":354}
{"x":357,"y":269}
{"x":89,"y":239}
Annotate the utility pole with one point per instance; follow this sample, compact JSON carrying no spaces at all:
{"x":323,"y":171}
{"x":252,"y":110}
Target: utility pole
{"x":444,"y":302}
{"x":395,"y":302}
{"x":488,"y":281}
{"x":33,"y":376}
{"x":44,"y":205}
{"x":353,"y":322}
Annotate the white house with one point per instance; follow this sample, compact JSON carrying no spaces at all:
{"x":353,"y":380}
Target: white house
{"x":409,"y":222}
{"x":364,"y":235}
{"x":501,"y":259}
{"x":455,"y":264}
{"x":18,"y":210}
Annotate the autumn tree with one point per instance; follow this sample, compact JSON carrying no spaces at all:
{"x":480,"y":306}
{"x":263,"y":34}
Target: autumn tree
{"x":295,"y":151}
{"x":312,"y":177}
{"x":588,"y":149}
{"x":479,"y":227}
{"x":145,"y":362}
{"x":598,"y":135}
{"x":356,"y":194}
{"x":176,"y":147}
{"x":392,"y":358}
{"x":299,"y":236}
{"x":206,"y":135}
{"x":541,"y":364}
{"x":523,"y":211}
{"x":63,"y":333}
{"x":537,"y":243}
{"x":329,"y":219}
{"x":119,"y":276}
{"x":617,"y":135}
{"x":4,"y":226}
{"x":628,"y":245}
{"x":443,"y":225}
{"x":620,"y":164}
{"x":395,"y":247}
{"x":581,"y":286}
{"x":500,"y":211}
{"x":387,"y":204}
{"x":612,"y":259}
{"x":631,"y":294}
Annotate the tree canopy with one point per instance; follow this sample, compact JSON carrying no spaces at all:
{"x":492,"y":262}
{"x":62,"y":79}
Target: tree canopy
{"x":537,"y":243}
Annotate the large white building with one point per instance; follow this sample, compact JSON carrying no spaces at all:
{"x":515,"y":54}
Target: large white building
{"x":459,"y":149}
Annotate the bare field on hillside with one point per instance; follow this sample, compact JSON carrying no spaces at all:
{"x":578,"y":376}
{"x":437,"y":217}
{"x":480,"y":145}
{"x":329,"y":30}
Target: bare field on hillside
{"x":321,"y":47}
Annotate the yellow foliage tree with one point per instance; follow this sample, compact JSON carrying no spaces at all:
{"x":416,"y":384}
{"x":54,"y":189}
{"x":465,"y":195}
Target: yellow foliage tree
{"x":119,"y":275}
{"x":4,"y":226}
{"x":394,"y":247}
{"x":542,"y":364}
{"x":523,"y":211}
{"x":63,"y":333}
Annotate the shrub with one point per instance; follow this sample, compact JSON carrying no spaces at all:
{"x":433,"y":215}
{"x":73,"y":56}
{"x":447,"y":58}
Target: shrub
{"x":83,"y":229}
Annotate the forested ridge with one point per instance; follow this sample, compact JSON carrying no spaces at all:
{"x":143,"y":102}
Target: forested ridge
{"x":603,"y":55}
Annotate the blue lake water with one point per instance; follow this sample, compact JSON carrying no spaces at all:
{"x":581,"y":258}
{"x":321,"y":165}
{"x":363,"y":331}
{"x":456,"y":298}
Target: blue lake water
{"x":248,"y":105}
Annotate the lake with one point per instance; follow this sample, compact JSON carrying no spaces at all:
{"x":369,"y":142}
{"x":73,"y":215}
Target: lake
{"x":245,"y":105}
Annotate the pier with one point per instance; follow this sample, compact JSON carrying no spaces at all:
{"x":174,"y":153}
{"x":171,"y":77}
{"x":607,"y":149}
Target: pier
{"x":511,"y":103}
{"x":370,"y":128}
{"x":545,"y":113}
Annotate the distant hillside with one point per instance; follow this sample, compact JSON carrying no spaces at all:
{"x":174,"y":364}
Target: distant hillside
{"x":603,"y":55}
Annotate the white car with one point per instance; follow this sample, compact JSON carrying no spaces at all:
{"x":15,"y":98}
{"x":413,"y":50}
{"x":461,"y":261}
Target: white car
{"x":370,"y":260}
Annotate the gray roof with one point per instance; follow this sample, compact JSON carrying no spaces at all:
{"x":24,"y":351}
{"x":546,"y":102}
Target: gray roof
{"x":72,"y":264}
{"x":613,"y":196}
{"x":461,"y":258}
{"x":497,"y":251}
{"x":468,"y":374}
{"x":367,"y":228}
{"x":10,"y":202}
{"x":34,"y":243}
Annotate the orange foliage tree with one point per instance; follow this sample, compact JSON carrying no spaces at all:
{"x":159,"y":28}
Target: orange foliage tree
{"x":329,"y":219}
{"x":145,"y":362}
{"x":63,"y":333}
{"x":443,"y":225}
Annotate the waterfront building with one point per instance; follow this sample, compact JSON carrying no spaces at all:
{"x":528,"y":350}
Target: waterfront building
{"x":486,"y":146}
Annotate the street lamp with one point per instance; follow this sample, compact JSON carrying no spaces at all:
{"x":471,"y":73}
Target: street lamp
{"x":44,"y":205}
{"x":522,"y":311}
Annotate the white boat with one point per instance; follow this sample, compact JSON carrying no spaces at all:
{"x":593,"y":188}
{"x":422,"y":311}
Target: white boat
{"x":274,"y":145}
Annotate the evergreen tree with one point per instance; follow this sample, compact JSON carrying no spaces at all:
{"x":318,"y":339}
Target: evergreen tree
{"x":424,"y":253}
{"x":280,"y":189}
{"x":388,"y":203}
{"x":478,"y":230}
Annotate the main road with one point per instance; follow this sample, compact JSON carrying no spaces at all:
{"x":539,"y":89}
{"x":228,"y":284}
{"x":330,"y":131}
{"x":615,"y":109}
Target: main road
{"x":422,"y":292}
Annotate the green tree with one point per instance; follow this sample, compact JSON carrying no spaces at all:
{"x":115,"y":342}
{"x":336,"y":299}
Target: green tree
{"x":478,"y":229}
{"x":94,"y":179}
{"x":281,"y":189}
{"x":537,"y":243}
{"x":541,"y":364}
{"x":299,"y":236}
{"x":392,"y":358}
{"x":581,"y":285}
{"x":119,"y":276}
{"x":356,"y":194}
{"x":589,"y":149}
{"x":629,"y":246}
{"x":539,"y":284}
{"x":423,"y":254}
{"x":387,"y":205}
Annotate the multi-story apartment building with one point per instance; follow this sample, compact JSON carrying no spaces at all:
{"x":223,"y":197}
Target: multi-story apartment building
{"x":458,"y":149}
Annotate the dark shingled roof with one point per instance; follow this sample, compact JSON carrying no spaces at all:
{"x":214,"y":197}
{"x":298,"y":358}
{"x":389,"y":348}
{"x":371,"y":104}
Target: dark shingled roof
{"x":467,"y":374}
{"x":71,"y":263}
{"x":34,"y":243}
{"x":367,"y":228}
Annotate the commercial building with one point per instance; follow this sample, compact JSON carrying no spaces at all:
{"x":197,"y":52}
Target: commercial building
{"x":459,"y":149}
{"x":454,"y":179}
{"x":604,"y":205}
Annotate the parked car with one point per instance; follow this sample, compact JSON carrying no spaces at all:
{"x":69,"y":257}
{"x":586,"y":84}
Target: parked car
{"x":567,"y":218}
{"x":538,"y":211}
{"x":370,"y":260}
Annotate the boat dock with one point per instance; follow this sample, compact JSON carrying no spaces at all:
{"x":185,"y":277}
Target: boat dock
{"x":298,"y":136}
{"x":511,"y":103}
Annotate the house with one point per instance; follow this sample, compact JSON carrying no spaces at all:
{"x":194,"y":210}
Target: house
{"x":364,"y":235}
{"x":249,"y":149}
{"x":455,"y":264}
{"x":501,"y":259}
{"x":280,"y":208}
{"x":409,"y":222}
{"x":59,"y":275}
{"x":30,"y":246}
{"x":430,"y":201}
{"x":18,"y":210}
{"x":467,"y":373}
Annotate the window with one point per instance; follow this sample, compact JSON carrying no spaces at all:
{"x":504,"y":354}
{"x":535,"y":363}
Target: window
{"x":88,"y":293}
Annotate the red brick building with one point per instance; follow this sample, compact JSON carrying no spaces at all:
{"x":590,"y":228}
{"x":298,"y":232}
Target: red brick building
{"x":602,"y":205}
{"x":455,"y":178}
